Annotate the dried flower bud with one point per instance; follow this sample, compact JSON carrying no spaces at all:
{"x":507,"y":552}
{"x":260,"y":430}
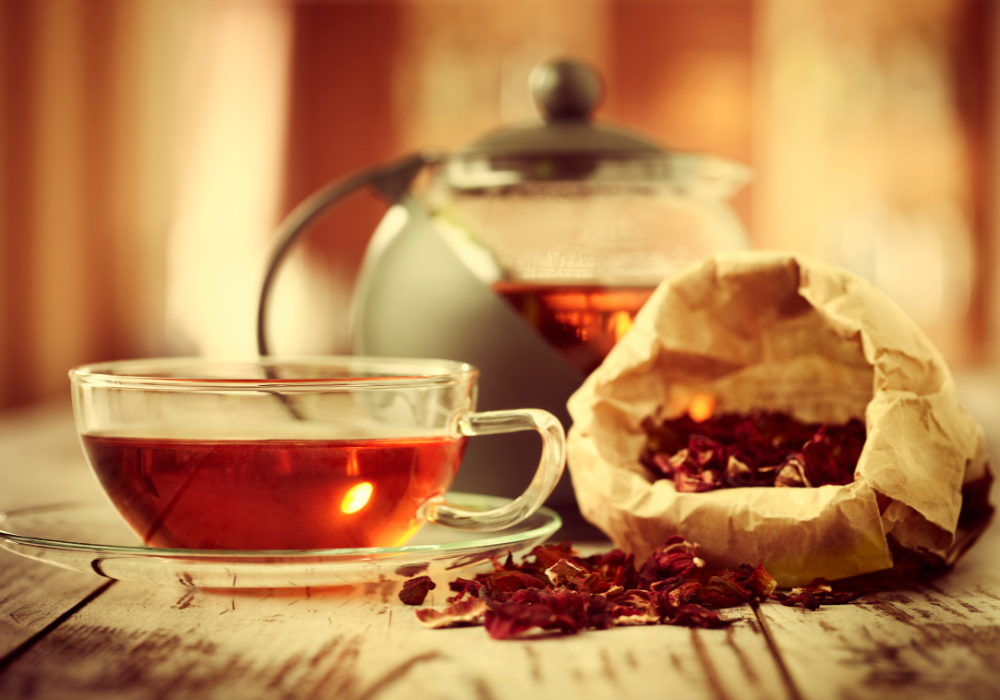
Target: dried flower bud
{"x":416,"y":589}
{"x":760,"y":583}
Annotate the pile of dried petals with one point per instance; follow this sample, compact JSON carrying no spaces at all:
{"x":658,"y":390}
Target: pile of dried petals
{"x":764,"y":449}
{"x":556,"y":591}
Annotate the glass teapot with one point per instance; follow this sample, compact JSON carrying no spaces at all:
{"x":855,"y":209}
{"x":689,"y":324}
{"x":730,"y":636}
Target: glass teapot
{"x":529,"y":253}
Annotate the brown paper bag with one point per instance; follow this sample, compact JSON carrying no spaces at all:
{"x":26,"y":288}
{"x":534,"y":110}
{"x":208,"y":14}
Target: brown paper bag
{"x":777,"y":332}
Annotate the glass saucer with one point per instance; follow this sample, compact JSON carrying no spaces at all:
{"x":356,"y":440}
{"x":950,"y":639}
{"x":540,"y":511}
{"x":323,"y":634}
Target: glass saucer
{"x":90,"y":536}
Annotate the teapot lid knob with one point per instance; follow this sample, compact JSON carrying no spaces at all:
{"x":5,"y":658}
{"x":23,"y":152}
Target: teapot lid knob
{"x":566,"y":90}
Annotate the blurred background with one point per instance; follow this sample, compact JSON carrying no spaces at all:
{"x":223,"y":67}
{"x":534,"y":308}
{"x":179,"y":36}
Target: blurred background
{"x":148,"y":148}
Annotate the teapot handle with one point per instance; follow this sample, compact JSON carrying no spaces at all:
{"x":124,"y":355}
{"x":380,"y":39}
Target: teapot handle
{"x":391,"y":181}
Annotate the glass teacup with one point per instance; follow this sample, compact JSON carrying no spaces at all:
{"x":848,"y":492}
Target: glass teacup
{"x":292,"y":454}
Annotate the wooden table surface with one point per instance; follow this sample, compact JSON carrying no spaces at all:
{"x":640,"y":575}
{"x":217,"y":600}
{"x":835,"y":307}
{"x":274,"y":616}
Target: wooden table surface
{"x":65,"y":634}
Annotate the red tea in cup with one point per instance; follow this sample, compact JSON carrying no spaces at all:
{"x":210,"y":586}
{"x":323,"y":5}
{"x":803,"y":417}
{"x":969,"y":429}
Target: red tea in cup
{"x":273,"y":494}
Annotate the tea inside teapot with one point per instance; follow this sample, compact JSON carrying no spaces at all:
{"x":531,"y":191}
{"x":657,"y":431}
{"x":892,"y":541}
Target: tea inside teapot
{"x":574,"y":224}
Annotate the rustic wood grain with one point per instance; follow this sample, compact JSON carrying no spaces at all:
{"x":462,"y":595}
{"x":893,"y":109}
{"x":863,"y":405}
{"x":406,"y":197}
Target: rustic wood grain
{"x":138,"y":641}
{"x":33,"y":595}
{"x":40,"y":462}
{"x":931,"y":639}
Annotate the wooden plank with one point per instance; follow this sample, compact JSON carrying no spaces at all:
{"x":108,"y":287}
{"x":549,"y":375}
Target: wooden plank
{"x":33,"y":595}
{"x":137,"y":641}
{"x":40,"y":462}
{"x":933,"y":639}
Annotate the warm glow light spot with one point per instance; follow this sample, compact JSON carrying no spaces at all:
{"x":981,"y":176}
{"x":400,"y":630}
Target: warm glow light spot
{"x":357,"y":497}
{"x":701,"y":408}
{"x":620,"y":322}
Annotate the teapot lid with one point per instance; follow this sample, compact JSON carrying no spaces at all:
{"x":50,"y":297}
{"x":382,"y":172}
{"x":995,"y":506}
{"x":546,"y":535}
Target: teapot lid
{"x":566,"y":93}
{"x":566,"y":145}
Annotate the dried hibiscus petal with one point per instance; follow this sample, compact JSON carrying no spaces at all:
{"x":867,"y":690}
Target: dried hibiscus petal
{"x":514,"y":619}
{"x":738,"y":473}
{"x":705,"y":453}
{"x":546,"y":555}
{"x":579,"y":609}
{"x":508,"y":564}
{"x":820,"y":466}
{"x":724,"y":591}
{"x":564,"y":570}
{"x":416,"y":589}
{"x":555,"y":591}
{"x":461,"y":614}
{"x":616,"y":567}
{"x":592,"y":584}
{"x":694,"y":615}
{"x":463,"y":587}
{"x":562,"y":611}
{"x":804,"y":599}
{"x":690,"y":479}
{"x":760,"y":583}
{"x":666,"y":464}
{"x":510,"y":581}
{"x":762,"y":449}
{"x":636,"y":607}
{"x":680,"y":595}
{"x":815,"y":596}
{"x":793,"y":473}
{"x":676,"y":559}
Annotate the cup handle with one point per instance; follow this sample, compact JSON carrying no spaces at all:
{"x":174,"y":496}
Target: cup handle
{"x":550,"y":468}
